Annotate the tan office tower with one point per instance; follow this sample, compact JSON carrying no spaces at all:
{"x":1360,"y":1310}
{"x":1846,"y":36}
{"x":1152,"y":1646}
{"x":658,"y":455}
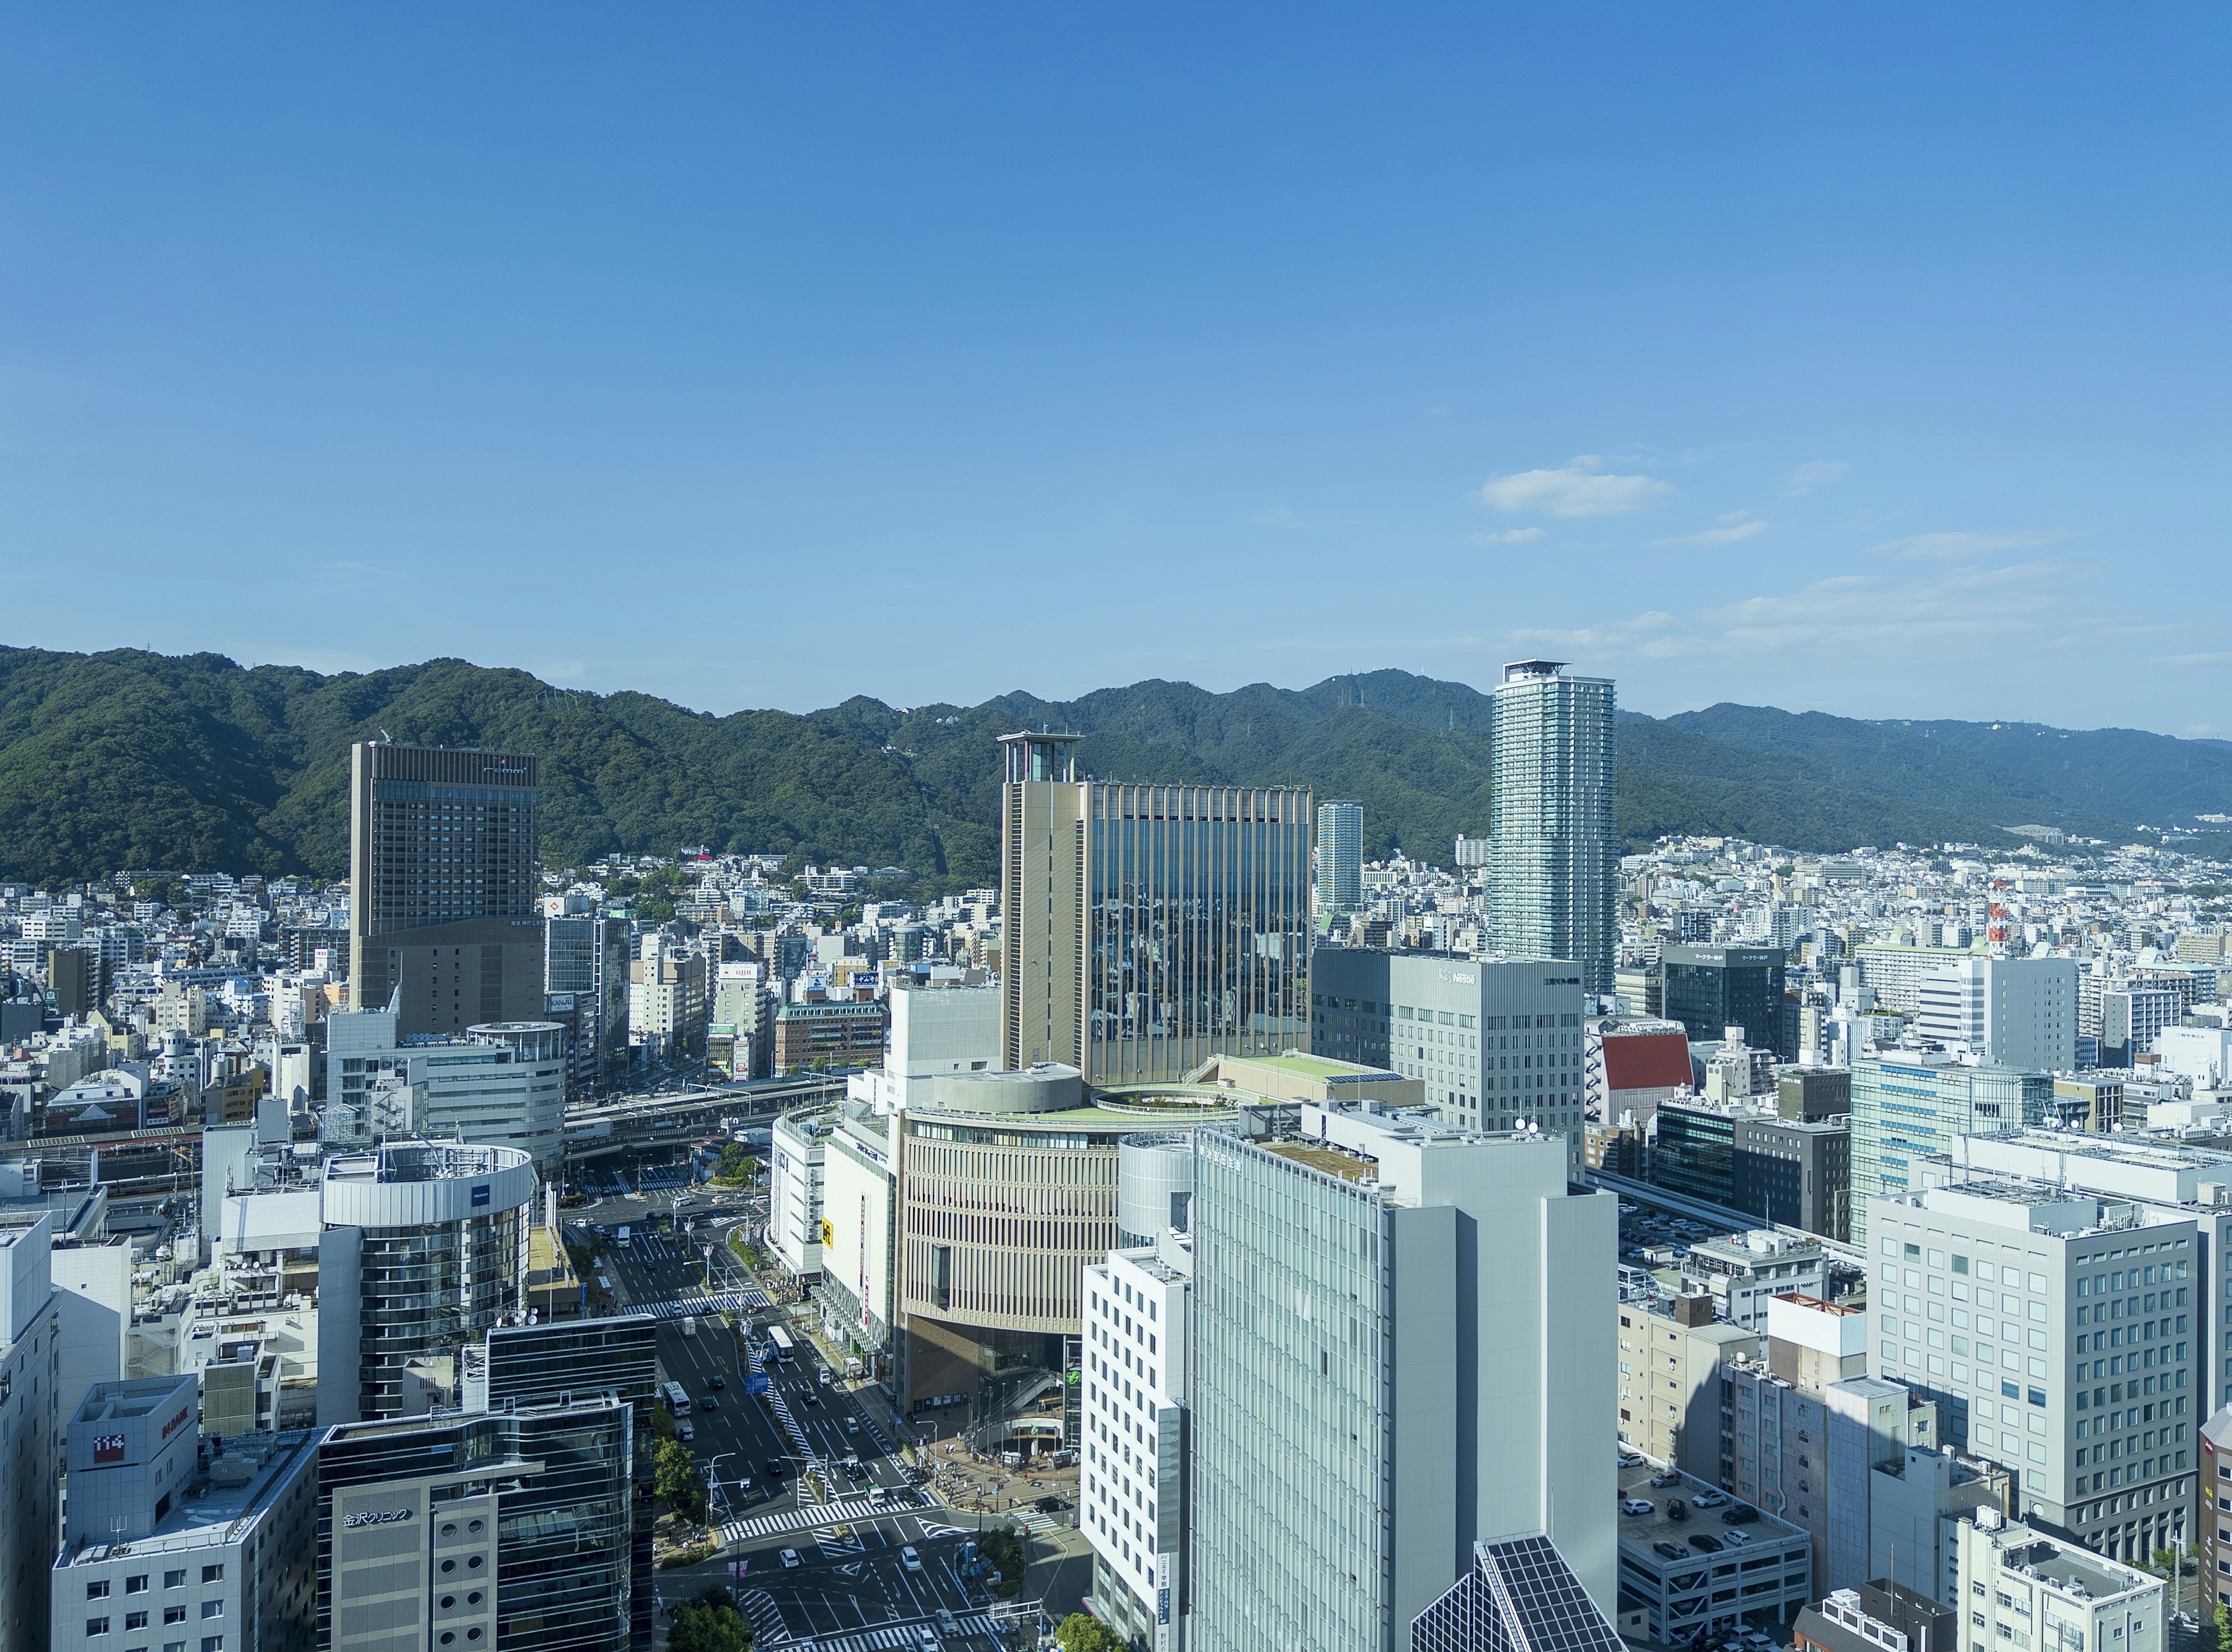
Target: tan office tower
{"x":442,"y":886}
{"x":1144,"y":928}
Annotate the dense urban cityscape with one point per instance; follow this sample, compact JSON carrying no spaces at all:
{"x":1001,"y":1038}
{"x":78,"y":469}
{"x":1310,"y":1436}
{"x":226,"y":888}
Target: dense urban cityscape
{"x":1208,"y":1237}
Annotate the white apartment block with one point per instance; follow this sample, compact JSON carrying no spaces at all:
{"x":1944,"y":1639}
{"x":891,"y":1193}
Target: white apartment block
{"x":1131,"y":1490}
{"x":2056,"y":1334}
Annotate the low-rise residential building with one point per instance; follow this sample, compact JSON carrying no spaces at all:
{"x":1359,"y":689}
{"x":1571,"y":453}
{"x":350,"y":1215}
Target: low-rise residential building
{"x":2021,"y":1584}
{"x":1672,"y":1351}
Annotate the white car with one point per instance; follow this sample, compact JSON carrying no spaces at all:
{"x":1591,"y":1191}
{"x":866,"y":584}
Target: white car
{"x":1636,"y":1506}
{"x":1736,"y":1540}
{"x":910,"y":1559}
{"x":790,"y":1558}
{"x":1708,"y":1500}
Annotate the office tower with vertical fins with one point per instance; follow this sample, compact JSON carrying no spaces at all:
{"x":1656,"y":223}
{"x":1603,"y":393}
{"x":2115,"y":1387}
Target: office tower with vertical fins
{"x":1146,"y":929}
{"x":1554,"y":855}
{"x":443,"y":880}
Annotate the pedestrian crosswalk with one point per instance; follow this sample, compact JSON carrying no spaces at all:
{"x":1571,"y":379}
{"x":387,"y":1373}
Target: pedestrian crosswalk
{"x":767,"y":1627}
{"x":801,"y":1520}
{"x":837,"y":1540}
{"x":886,"y":1636}
{"x":721,"y":1302}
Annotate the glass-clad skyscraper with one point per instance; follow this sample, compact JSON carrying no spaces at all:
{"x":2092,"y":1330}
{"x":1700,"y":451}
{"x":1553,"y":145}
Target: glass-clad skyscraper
{"x":1146,"y":929}
{"x":494,"y":1529}
{"x":1401,"y":1346}
{"x":1553,"y":858}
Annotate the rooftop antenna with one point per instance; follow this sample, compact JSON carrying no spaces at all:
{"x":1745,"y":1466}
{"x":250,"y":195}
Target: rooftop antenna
{"x":385,"y":739}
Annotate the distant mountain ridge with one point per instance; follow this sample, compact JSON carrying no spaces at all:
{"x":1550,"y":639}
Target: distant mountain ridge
{"x":128,"y":760}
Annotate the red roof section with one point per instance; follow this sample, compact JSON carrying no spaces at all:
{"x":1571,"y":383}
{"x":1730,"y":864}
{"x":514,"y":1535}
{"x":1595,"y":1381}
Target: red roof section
{"x":1646,"y":1061}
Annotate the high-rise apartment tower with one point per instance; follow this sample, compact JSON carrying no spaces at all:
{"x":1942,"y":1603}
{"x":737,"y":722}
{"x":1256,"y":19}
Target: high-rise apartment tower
{"x":1341,"y":856}
{"x":442,"y":885}
{"x":1554,"y":855}
{"x":1144,"y":928}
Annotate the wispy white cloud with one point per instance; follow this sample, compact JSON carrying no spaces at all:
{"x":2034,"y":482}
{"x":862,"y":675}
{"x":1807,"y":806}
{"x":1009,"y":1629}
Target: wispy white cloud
{"x":1736,"y":527}
{"x":1655,"y":635}
{"x":2217,"y":656}
{"x":1509,"y":536}
{"x":1954,"y":548}
{"x":1819,"y":474}
{"x":1582,"y":488}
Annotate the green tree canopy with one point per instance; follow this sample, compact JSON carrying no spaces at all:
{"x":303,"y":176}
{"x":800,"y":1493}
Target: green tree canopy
{"x":1081,"y":1633}
{"x":676,"y":1481}
{"x":709,"y":1623}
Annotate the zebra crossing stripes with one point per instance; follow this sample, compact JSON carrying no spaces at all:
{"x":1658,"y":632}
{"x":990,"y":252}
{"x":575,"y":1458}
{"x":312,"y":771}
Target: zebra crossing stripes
{"x":689,"y":1306}
{"x":888,"y":1637}
{"x":801,"y":1520}
{"x":767,"y":1627}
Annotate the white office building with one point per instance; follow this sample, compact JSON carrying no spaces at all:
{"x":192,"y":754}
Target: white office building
{"x":795,"y":1180}
{"x":2057,"y":1333}
{"x":1494,"y":1043}
{"x":1132,"y":1445}
{"x":30,"y":1433}
{"x":1403,"y":1346}
{"x":2174,"y":1180}
{"x":2011,"y":1012}
{"x":504,"y":1085}
{"x":159,"y":1553}
{"x":936,"y":1031}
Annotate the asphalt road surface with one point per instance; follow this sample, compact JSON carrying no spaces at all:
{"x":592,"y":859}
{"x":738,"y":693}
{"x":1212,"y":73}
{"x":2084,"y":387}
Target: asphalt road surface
{"x":851,"y":1589}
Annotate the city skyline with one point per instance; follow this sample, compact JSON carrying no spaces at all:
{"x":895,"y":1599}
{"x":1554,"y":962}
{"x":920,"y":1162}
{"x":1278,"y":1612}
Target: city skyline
{"x":1861,"y":419}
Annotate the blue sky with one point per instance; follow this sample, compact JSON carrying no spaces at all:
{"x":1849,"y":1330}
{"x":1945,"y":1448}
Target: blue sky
{"x":1872,"y":360}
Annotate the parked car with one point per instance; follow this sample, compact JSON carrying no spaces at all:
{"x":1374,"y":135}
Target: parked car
{"x":1736,"y":1540}
{"x":1636,"y":1506}
{"x":1670,"y":1478}
{"x":1708,"y":1499}
{"x":1739,"y":1514}
{"x":1670,"y":1550}
{"x":1706,"y":1542}
{"x":1677,"y":1510}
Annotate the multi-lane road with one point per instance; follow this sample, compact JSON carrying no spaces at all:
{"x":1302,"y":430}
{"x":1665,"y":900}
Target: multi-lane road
{"x":853,"y":1586}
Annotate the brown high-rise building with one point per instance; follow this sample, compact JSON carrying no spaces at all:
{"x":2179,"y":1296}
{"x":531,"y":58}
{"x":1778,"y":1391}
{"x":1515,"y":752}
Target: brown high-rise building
{"x":1144,"y":928}
{"x":443,"y":885}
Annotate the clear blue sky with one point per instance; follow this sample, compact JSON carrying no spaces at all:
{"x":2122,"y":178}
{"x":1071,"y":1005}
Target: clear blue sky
{"x":1870,"y":359}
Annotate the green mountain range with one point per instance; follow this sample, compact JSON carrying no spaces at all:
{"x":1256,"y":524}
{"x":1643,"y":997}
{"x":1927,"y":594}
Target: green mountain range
{"x":128,"y":760}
